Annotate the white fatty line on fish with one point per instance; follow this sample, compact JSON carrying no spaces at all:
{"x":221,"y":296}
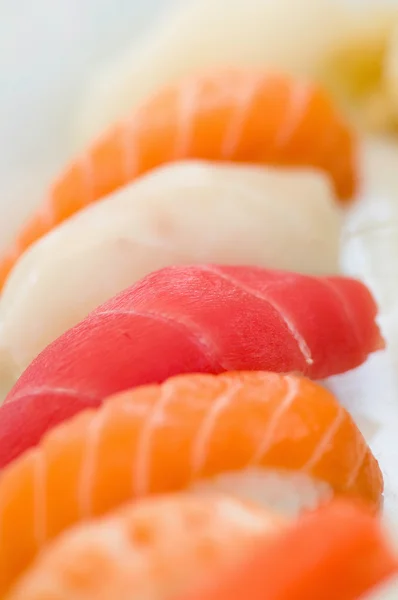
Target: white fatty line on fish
{"x":357,"y":468}
{"x":46,"y":216}
{"x":233,"y":134}
{"x":325,"y":441}
{"x":89,"y":462}
{"x":268,"y":437}
{"x":40,"y":504}
{"x":57,"y":391}
{"x":299,"y":101}
{"x":301,"y":343}
{"x":211,"y":352}
{"x":186,"y":102}
{"x":142,"y":463}
{"x":206,"y":429}
{"x":351,"y":320}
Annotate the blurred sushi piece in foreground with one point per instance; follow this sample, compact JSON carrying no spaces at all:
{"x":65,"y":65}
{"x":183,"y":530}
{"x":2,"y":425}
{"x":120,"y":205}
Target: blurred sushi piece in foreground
{"x":338,"y":552}
{"x":153,"y":548}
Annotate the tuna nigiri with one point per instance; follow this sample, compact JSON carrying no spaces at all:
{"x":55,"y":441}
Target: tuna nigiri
{"x":338,"y":552}
{"x":227,"y":115}
{"x":153,"y":549}
{"x":183,"y":213}
{"x":159,"y":439}
{"x":287,"y":36}
{"x":205,"y":319}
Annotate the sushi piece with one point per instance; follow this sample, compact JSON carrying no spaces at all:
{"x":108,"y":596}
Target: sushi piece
{"x":183,"y":213}
{"x":151,"y":549}
{"x":227,"y":115}
{"x":159,"y":439}
{"x":186,"y":319}
{"x":275,"y":35}
{"x":337,"y":552}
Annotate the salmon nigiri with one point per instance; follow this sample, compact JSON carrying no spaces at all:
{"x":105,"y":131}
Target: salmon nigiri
{"x":182,"y":213}
{"x":338,"y":552}
{"x":228,"y":115}
{"x":291,"y":37}
{"x":204,"y":319}
{"x":159,"y":439}
{"x":152,"y":549}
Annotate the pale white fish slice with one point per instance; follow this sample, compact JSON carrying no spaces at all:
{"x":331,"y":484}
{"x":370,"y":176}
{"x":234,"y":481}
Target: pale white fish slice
{"x":180,"y":214}
{"x":285,"y":35}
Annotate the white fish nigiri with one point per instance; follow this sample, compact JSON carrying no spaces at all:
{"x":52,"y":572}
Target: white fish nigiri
{"x":284,"y":35}
{"x":179,"y":214}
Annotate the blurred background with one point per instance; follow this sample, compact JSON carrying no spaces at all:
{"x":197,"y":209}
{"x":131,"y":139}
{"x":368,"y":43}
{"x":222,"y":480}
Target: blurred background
{"x":48,"y":48}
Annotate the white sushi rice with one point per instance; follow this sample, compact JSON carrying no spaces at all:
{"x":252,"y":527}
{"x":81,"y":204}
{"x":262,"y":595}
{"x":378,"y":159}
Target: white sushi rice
{"x":387,"y":591}
{"x":285,"y":492}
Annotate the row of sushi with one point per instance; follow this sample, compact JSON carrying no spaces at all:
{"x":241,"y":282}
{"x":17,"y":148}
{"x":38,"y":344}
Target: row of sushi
{"x":216,"y":547}
{"x":234,"y":414}
{"x":349,"y":47}
{"x":278,"y":209}
{"x":197,"y":377}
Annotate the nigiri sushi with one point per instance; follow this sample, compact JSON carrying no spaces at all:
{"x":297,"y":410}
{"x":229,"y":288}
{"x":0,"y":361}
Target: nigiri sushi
{"x":338,"y":552}
{"x":185,"y":319}
{"x":159,"y":439}
{"x":227,"y":115}
{"x":183,"y":213}
{"x":273,"y":34}
{"x":151,"y":549}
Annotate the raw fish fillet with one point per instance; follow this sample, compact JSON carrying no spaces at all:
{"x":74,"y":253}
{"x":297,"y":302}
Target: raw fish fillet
{"x":202,"y":318}
{"x":182,"y":213}
{"x":227,"y":115}
{"x":151,"y":549}
{"x":159,"y":439}
{"x":290,"y":36}
{"x":338,"y":552}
